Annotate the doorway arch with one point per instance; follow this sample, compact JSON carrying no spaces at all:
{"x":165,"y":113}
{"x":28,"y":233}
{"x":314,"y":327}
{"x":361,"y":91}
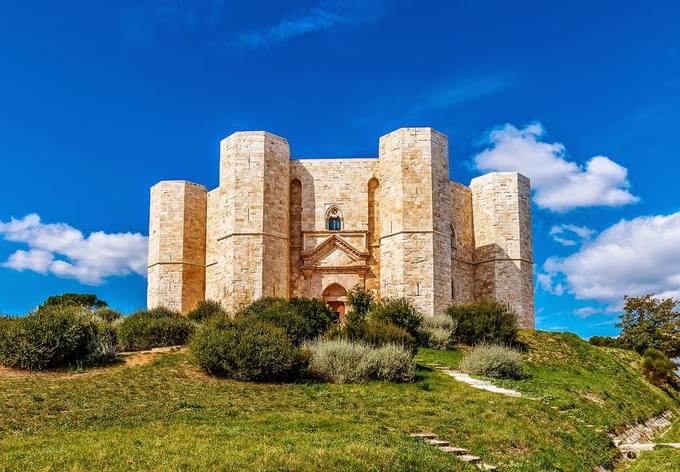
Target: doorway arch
{"x":335,"y":296}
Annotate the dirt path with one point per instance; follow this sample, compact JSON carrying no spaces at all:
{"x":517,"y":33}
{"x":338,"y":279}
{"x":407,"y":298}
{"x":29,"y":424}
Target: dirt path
{"x":127,"y":359}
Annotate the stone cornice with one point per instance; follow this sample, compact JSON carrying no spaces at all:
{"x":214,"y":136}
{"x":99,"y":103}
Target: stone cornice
{"x":334,"y":241}
{"x":260,"y":233}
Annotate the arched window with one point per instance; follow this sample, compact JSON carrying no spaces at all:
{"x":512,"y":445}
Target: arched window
{"x":453,"y":237}
{"x":333,"y":219}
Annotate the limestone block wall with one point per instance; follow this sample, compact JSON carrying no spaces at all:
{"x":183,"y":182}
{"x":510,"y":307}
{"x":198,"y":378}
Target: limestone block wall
{"x":372,"y":281}
{"x":296,"y":286}
{"x":441,"y":208}
{"x":503,"y":247}
{"x":414,"y":206}
{"x":341,"y":182}
{"x":333,"y":182}
{"x":252,"y":248}
{"x":177,"y":226}
{"x":463,"y":244}
{"x":215,"y":232}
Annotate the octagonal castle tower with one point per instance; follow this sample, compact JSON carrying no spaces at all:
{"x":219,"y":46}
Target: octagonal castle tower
{"x":395,"y":224}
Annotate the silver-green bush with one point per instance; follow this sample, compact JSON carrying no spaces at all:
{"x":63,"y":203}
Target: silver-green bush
{"x":494,"y":360}
{"x":438,"y":338}
{"x":392,"y":362}
{"x":439,"y":321}
{"x":437,"y":331}
{"x":345,"y":361}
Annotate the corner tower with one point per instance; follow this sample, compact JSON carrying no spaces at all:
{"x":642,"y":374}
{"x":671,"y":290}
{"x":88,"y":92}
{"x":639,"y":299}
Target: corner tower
{"x":414,"y":218}
{"x":248,"y":220}
{"x":177,"y":223}
{"x":503,"y":254}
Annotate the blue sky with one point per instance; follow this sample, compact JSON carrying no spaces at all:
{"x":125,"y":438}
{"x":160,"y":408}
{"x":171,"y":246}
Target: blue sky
{"x":100,"y":100}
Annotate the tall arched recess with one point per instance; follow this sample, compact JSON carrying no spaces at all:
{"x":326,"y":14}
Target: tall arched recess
{"x":373,"y":237}
{"x":295,"y":237}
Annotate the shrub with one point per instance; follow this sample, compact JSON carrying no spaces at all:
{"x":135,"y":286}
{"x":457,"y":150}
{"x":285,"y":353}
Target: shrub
{"x":486,"y":321}
{"x":55,"y":336}
{"x":373,"y":332}
{"x":104,"y":346}
{"x":360,"y":299}
{"x":399,"y":312}
{"x":377,"y":333}
{"x":108,"y":314}
{"x":83,"y":300}
{"x":318,"y":316}
{"x":606,"y":341}
{"x":494,"y":361}
{"x":439,"y":321}
{"x":247,"y":349}
{"x":346,"y":361}
{"x":206,"y":309}
{"x":260,"y":305}
{"x":154,"y":328}
{"x":437,"y":338}
{"x":658,"y":368}
{"x":302,"y":319}
{"x":437,"y":332}
{"x":392,"y":363}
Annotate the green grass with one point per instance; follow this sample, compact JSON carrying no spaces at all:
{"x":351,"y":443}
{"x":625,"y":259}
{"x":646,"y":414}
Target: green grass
{"x":167,"y":415}
{"x":660,"y":458}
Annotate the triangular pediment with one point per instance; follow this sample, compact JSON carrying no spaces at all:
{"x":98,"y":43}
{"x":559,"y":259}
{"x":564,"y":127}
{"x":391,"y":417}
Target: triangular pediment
{"x":334,"y":252}
{"x":336,"y":257}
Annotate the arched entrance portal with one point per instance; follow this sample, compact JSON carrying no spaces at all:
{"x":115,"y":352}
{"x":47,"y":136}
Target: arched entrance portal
{"x":335,"y":296}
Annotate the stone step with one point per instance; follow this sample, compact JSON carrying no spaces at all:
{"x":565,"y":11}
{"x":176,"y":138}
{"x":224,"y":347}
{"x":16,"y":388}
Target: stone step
{"x":459,"y":451}
{"x":424,"y":435}
{"x":437,"y":442}
{"x":486,"y":467}
{"x":469,"y":458}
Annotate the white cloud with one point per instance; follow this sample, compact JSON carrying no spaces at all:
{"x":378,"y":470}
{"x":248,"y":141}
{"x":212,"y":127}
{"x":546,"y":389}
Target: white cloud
{"x":62,"y":250}
{"x":463,"y":89}
{"x":325,"y":15}
{"x":632,"y":257}
{"x":545,"y":281}
{"x":34,"y":259}
{"x":555,"y":328}
{"x":586,"y":311}
{"x":560,"y":233}
{"x":559,"y":184}
{"x":609,"y":322}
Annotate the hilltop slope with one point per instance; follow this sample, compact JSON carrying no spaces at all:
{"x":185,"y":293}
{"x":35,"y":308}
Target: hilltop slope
{"x":169,"y":415}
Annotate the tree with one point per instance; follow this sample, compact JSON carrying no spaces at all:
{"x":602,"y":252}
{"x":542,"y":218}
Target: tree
{"x":605,"y":341}
{"x":658,"y":368}
{"x":649,"y":322}
{"x":361,"y":300}
{"x":85,"y":300}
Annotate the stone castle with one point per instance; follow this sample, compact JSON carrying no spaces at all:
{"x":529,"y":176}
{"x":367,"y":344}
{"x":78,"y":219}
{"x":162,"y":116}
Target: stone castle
{"x":395,"y":224}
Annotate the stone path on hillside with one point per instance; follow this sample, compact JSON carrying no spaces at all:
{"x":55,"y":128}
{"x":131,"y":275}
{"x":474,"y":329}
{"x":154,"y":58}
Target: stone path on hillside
{"x":477,"y":383}
{"x":640,"y":447}
{"x":461,"y":453}
{"x":637,"y":438}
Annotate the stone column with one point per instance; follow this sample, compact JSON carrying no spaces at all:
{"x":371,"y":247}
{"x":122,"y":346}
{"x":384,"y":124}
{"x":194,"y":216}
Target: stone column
{"x":503,"y":257}
{"x":253,"y":245}
{"x":176,"y":274}
{"x":414,"y":214}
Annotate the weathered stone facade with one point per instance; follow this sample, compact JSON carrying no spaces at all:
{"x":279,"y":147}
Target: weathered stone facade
{"x":396,"y":225}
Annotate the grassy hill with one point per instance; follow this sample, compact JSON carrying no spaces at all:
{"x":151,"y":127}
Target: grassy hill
{"x":660,"y":458}
{"x":168,"y":415}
